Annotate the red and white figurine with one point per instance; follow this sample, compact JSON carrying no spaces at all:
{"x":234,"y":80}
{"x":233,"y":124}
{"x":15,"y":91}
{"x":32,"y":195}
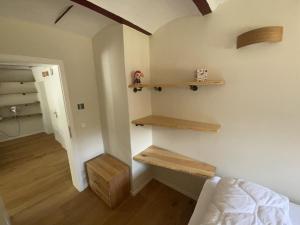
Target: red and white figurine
{"x":137,"y":75}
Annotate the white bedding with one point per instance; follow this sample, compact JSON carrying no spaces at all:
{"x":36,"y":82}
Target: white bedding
{"x":295,"y":213}
{"x":206,"y":196}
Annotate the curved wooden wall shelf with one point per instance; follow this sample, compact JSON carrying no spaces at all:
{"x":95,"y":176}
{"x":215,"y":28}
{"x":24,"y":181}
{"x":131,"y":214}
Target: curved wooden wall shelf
{"x":264,"y":34}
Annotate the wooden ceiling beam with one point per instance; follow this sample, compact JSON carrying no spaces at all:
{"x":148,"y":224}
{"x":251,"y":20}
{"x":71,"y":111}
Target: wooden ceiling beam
{"x":63,"y":14}
{"x":110,"y":15}
{"x":203,"y":6}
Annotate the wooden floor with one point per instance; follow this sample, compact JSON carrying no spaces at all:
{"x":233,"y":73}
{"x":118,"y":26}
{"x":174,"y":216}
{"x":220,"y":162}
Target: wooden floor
{"x":36,"y":186}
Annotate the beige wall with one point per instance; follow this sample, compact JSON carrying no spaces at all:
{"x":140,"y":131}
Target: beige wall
{"x":136,"y":55}
{"x":120,"y":50}
{"x":258,"y":107}
{"x":28,"y":126}
{"x":16,"y":128}
{"x":109,"y":58}
{"x":76,"y":53}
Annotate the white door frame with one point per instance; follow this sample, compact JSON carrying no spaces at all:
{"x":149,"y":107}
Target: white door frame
{"x":73,"y":152}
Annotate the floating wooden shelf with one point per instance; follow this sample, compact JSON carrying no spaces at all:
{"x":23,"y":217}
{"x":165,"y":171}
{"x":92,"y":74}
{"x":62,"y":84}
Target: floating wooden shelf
{"x":21,"y":93}
{"x":264,"y":34}
{"x":193,"y":85}
{"x":18,"y":82}
{"x":23,"y":104}
{"x":163,"y":158}
{"x":163,"y":121}
{"x":21,"y":116}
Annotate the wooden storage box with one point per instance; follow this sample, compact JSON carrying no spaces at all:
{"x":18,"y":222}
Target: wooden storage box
{"x":108,"y":178}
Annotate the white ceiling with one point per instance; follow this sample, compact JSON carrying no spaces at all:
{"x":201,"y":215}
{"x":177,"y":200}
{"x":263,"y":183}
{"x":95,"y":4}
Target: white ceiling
{"x":79,"y":20}
{"x":215,"y":3}
{"x":149,"y":14}
{"x":153,"y":14}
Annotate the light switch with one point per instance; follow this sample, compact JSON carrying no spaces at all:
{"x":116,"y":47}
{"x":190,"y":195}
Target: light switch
{"x":80,"y":106}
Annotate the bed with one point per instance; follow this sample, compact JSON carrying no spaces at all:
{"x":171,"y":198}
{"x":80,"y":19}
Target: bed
{"x":206,"y":196}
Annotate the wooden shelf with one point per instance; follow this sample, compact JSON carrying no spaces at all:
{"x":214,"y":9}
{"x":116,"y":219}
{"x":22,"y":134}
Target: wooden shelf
{"x":163,"y":121}
{"x":193,"y":85}
{"x":21,"y":116}
{"x":21,"y":93}
{"x":19,"y":82}
{"x":264,"y":34}
{"x":23,"y":104}
{"x":163,"y":158}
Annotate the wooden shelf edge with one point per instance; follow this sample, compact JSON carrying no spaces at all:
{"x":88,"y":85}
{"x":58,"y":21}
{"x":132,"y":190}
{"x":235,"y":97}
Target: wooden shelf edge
{"x":170,"y":122}
{"x":21,"y":116}
{"x":265,"y":34}
{"x":20,"y":93}
{"x":160,"y":157}
{"x":170,"y":85}
{"x":21,"y":104}
{"x":19,"y":82}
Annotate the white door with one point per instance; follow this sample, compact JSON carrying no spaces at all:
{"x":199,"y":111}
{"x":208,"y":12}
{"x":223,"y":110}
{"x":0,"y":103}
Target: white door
{"x":57,"y":107}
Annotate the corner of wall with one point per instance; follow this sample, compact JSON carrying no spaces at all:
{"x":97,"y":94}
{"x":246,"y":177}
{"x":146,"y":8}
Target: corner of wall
{"x":141,"y":176}
{"x":109,"y":59}
{"x":136,"y":55}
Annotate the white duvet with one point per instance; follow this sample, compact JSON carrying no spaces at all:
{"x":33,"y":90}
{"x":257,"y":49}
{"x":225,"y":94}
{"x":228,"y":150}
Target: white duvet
{"x":238,"y":202}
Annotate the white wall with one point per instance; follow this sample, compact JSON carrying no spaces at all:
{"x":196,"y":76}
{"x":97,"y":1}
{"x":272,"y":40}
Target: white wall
{"x":42,"y":96}
{"x":16,"y":87}
{"x":109,"y":60}
{"x":76,"y":53}
{"x":136,"y":55}
{"x":120,"y":50}
{"x":15,"y":75}
{"x":258,"y":107}
{"x":28,"y":126}
{"x":15,"y":128}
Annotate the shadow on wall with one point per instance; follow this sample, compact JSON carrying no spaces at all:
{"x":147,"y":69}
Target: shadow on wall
{"x":178,"y":181}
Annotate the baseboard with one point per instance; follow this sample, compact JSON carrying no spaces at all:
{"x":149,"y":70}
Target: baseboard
{"x":24,"y":135}
{"x":182,"y":191}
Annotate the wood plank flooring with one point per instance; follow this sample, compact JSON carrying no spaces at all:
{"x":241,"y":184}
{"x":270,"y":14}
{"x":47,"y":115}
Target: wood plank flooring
{"x":36,"y":186}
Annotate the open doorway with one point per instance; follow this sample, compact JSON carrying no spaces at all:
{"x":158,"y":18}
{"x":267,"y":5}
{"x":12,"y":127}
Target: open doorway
{"x":52,"y":105}
{"x":35,"y":132}
{"x":35,"y":116}
{"x":31,"y":102}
